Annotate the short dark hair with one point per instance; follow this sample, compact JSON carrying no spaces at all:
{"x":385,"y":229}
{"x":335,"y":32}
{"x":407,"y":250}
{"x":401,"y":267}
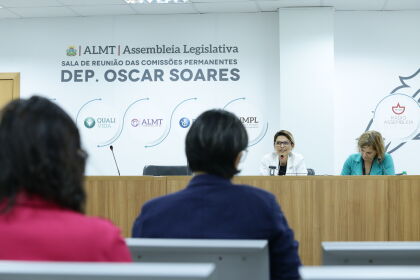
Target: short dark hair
{"x":40,"y":154}
{"x":214,"y":141}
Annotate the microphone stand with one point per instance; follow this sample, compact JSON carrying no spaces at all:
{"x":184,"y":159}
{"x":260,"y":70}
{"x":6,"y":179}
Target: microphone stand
{"x":116,"y":164}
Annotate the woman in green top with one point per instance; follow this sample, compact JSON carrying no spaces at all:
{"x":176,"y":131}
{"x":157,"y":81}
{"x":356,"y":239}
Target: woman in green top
{"x":371,"y":159}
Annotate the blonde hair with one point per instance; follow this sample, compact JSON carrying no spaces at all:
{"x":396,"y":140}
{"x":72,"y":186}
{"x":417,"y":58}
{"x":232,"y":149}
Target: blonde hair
{"x":286,"y":134}
{"x":374,"y":140}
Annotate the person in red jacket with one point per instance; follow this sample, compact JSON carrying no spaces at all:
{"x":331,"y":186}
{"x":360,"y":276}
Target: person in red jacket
{"x":41,"y":190}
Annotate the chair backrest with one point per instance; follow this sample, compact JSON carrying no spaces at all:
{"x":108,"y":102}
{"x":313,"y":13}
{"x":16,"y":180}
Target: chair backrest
{"x":311,"y":172}
{"x":35,"y":270}
{"x":166,"y":170}
{"x":371,"y":253}
{"x":234,"y":259}
{"x":359,"y":272}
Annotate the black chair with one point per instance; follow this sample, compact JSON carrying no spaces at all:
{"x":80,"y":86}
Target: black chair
{"x":166,"y":170}
{"x":311,"y":172}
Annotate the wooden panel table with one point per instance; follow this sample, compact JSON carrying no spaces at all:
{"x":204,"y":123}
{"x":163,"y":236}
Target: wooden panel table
{"x":329,"y":209}
{"x":404,"y":208}
{"x":318,"y":208}
{"x":119,"y":199}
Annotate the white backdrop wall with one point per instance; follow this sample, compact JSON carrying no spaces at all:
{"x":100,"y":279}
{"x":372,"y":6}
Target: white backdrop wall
{"x":146,"y":121}
{"x":372,"y":50}
{"x":306,"y":88}
{"x":337,"y":70}
{"x":316,"y":72}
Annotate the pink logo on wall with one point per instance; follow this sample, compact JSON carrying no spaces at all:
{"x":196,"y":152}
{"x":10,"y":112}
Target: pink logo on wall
{"x":397,"y":116}
{"x":398,"y":110}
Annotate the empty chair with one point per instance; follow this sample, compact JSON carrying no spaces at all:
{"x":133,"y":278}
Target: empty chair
{"x":166,"y":170}
{"x":311,"y":172}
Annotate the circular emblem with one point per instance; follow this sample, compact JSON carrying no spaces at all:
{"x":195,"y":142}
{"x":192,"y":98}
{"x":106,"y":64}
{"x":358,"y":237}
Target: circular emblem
{"x":184,"y":122}
{"x":89,"y":122}
{"x":135,"y":122}
{"x":397,"y":117}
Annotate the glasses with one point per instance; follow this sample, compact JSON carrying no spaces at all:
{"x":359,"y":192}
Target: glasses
{"x":284,"y":143}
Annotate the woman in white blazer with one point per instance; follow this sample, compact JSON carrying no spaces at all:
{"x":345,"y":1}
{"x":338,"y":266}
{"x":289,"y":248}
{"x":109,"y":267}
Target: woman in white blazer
{"x":282,"y":161}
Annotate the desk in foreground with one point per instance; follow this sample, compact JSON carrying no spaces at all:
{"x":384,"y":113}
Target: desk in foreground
{"x":318,"y":208}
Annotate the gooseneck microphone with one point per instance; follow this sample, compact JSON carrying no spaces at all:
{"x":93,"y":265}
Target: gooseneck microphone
{"x":281,"y":158}
{"x":116,"y":164}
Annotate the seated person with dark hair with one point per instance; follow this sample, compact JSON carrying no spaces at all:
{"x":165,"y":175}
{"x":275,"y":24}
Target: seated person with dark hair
{"x":41,"y":190}
{"x":214,"y":208}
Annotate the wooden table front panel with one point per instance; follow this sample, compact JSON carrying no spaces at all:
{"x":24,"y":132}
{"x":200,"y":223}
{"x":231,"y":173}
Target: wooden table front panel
{"x":318,"y":208}
{"x":329,"y":208}
{"x":404,"y":210}
{"x":119,"y":199}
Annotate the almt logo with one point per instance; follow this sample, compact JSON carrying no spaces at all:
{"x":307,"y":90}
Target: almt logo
{"x":147,"y":122}
{"x":100,"y":50}
{"x":135,"y":122}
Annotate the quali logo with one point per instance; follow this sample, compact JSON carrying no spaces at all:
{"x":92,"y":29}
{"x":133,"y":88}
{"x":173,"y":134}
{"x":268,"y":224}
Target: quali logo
{"x":135,"y":122}
{"x":184,"y":122}
{"x":71,"y":51}
{"x":106,"y":122}
{"x":398,"y":110}
{"x":89,"y":122}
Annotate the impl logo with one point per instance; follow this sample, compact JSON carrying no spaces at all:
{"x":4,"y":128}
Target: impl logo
{"x":398,"y":110}
{"x":89,"y":122}
{"x":71,"y":51}
{"x":184,"y":122}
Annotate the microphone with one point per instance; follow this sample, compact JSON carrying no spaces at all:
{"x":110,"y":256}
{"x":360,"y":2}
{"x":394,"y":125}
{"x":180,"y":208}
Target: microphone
{"x":281,"y":158}
{"x":116,"y":164}
{"x":272,"y":170}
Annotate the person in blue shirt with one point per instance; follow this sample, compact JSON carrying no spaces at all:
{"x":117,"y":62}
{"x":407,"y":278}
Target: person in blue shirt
{"x":371,"y":159}
{"x":212,"y":207}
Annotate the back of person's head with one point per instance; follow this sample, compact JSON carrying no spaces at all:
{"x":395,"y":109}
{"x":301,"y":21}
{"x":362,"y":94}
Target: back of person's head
{"x":286,"y":134}
{"x":40,"y":154}
{"x":214,"y":142}
{"x":374,"y":140}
